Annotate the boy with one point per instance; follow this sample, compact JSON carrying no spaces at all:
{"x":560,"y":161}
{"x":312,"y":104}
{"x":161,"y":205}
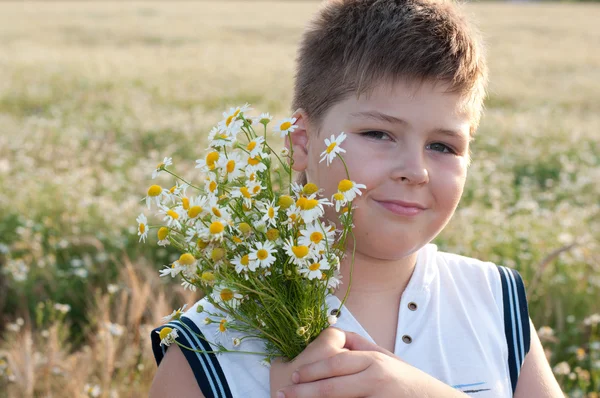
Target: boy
{"x":405,"y":81}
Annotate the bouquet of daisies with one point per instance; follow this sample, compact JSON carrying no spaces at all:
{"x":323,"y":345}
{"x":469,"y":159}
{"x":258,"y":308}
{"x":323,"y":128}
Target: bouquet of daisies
{"x":252,"y":240}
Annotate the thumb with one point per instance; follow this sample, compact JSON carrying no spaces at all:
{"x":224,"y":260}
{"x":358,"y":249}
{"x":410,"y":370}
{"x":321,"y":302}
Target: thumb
{"x":355,"y":342}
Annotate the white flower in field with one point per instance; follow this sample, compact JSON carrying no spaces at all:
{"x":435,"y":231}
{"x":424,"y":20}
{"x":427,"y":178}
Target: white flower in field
{"x":284,"y":153}
{"x":156,"y":192}
{"x":293,"y":216}
{"x":210,"y":184}
{"x":333,"y":147}
{"x":334,"y":280}
{"x":231,"y":165}
{"x":218,"y":211}
{"x":112,"y":288}
{"x":562,"y":369}
{"x":270,"y":213}
{"x":93,"y":391}
{"x":350,"y":189}
{"x":285,"y":126}
{"x":219,"y":138}
{"x":63,"y":308}
{"x":189,"y":286}
{"x":264,"y":118}
{"x":160,"y":167}
{"x":244,"y":193}
{"x":172,"y":216}
{"x":298,"y":254}
{"x":221,"y":334}
{"x":243,"y":264}
{"x":545,"y":333}
{"x":142,"y":227}
{"x":225,"y":295}
{"x":175,"y":315}
{"x":198,"y":207}
{"x":255,"y":163}
{"x":209,"y":162}
{"x":262,"y":254}
{"x":592,"y":320}
{"x":81,"y":272}
{"x":236,"y":342}
{"x":311,"y":208}
{"x":167,"y":336}
{"x":215,"y":231}
{"x":315,"y":269}
{"x":172,"y":270}
{"x":316,"y":236}
{"x":340,"y":201}
{"x":255,"y":147}
{"x":297,"y":189}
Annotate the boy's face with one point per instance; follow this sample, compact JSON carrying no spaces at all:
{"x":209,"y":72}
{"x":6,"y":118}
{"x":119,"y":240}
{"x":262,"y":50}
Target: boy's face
{"x":419,"y":155}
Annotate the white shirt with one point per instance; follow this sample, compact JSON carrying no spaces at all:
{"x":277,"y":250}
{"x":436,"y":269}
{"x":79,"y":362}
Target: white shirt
{"x":450,"y":325}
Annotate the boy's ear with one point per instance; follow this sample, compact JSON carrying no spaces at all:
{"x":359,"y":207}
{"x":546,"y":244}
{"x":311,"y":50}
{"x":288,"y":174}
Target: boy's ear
{"x":299,"y":138}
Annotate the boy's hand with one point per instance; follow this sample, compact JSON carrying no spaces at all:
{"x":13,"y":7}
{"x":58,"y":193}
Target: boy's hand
{"x":330,"y":342}
{"x":362,"y":369}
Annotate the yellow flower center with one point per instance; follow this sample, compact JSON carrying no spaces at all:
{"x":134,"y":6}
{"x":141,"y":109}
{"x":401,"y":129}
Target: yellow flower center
{"x":272,"y":234}
{"x":245,"y":228}
{"x":154,"y":190}
{"x":331,"y":147}
{"x":160,"y":166}
{"x":310,"y":204}
{"x":345,"y":185}
{"x":245,"y":192}
{"x":316,"y":237}
{"x":245,"y":260}
{"x":262,"y":254}
{"x":186,"y":259}
{"x":251,"y":146}
{"x":256,"y":189}
{"x":285,"y":201}
{"x":194,"y":211}
{"x":301,"y":202}
{"x":172,"y":189}
{"x":229,"y":120}
{"x":300,"y":251}
{"x":254,"y":161}
{"x":226,"y":294}
{"x":271,"y":212}
{"x":162,"y":233}
{"x":164,"y":332}
{"x":201,"y":244}
{"x":285,"y":126}
{"x":314,"y":266}
{"x":212,"y":187}
{"x":208,"y":276}
{"x":216,"y":211}
{"x":338,"y":196}
{"x":231,"y":166}
{"x":216,"y":227}
{"x":237,"y":111}
{"x":237,"y":240}
{"x":142,"y":228}
{"x":252,"y":177}
{"x":217,"y":254}
{"x":173,"y":214}
{"x":310,"y":188}
{"x":186,"y":203}
{"x":223,"y":326}
{"x":211,"y":158}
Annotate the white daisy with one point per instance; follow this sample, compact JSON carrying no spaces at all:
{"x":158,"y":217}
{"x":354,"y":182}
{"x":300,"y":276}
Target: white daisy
{"x":231,"y":165}
{"x":157,"y":193}
{"x":160,"y":167}
{"x":219,"y":138}
{"x":244,"y":193}
{"x":315,"y":269}
{"x":299,"y":254}
{"x":209,"y":162}
{"x":215,"y":231}
{"x":264,"y":118}
{"x":243,"y":264}
{"x":218,"y":211}
{"x":255,"y":163}
{"x":311,"y":208}
{"x":270,"y":213}
{"x":255,"y":146}
{"x":350,"y":189}
{"x":262,"y":254}
{"x":198,"y":207}
{"x":340,"y":201}
{"x":316,"y":237}
{"x":227,"y":296}
{"x":172,"y":215}
{"x":172,"y":270}
{"x":167,"y":336}
{"x":210,"y":184}
{"x":285,"y":126}
{"x":333,"y":147}
{"x":334,"y":280}
{"x":175,"y":315}
{"x":142,"y":227}
{"x":221,"y":333}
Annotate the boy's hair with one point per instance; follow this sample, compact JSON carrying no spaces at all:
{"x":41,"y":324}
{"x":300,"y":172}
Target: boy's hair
{"x":351,"y":46}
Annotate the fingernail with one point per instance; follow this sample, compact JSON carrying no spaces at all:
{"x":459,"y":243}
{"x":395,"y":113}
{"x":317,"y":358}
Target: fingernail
{"x":295,"y":377}
{"x":280,"y":394}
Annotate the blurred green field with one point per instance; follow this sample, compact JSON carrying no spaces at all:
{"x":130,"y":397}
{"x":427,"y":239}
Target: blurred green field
{"x":94,"y":95}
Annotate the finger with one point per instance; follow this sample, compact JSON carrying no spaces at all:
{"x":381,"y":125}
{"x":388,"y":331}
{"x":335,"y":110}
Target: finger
{"x":335,"y":387}
{"x":329,"y":342}
{"x":356,"y":342}
{"x":342,"y":364}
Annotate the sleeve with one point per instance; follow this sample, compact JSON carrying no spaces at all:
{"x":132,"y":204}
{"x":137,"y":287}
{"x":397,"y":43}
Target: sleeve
{"x":205,"y":365}
{"x":516,"y":321}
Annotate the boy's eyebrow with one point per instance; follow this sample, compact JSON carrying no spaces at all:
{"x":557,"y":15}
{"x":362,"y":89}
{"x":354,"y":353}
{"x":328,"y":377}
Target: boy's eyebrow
{"x":382,"y":117}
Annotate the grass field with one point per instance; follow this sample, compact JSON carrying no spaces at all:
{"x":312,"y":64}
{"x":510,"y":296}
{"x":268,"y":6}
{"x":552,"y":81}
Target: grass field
{"x":93,"y":95}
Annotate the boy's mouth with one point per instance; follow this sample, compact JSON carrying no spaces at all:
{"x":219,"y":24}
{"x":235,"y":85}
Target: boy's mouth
{"x":402,"y":208}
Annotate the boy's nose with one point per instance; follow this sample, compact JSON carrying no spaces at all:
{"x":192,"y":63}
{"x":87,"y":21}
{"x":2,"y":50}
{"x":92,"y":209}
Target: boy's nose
{"x":410,"y":169}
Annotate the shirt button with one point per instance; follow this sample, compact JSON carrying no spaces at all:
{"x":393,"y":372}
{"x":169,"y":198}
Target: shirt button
{"x":407,"y":339}
{"x":412,"y":306}
{"x":336,"y":312}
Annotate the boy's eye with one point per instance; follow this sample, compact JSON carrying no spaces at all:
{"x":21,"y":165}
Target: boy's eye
{"x":377,"y":135}
{"x":437,"y":146}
